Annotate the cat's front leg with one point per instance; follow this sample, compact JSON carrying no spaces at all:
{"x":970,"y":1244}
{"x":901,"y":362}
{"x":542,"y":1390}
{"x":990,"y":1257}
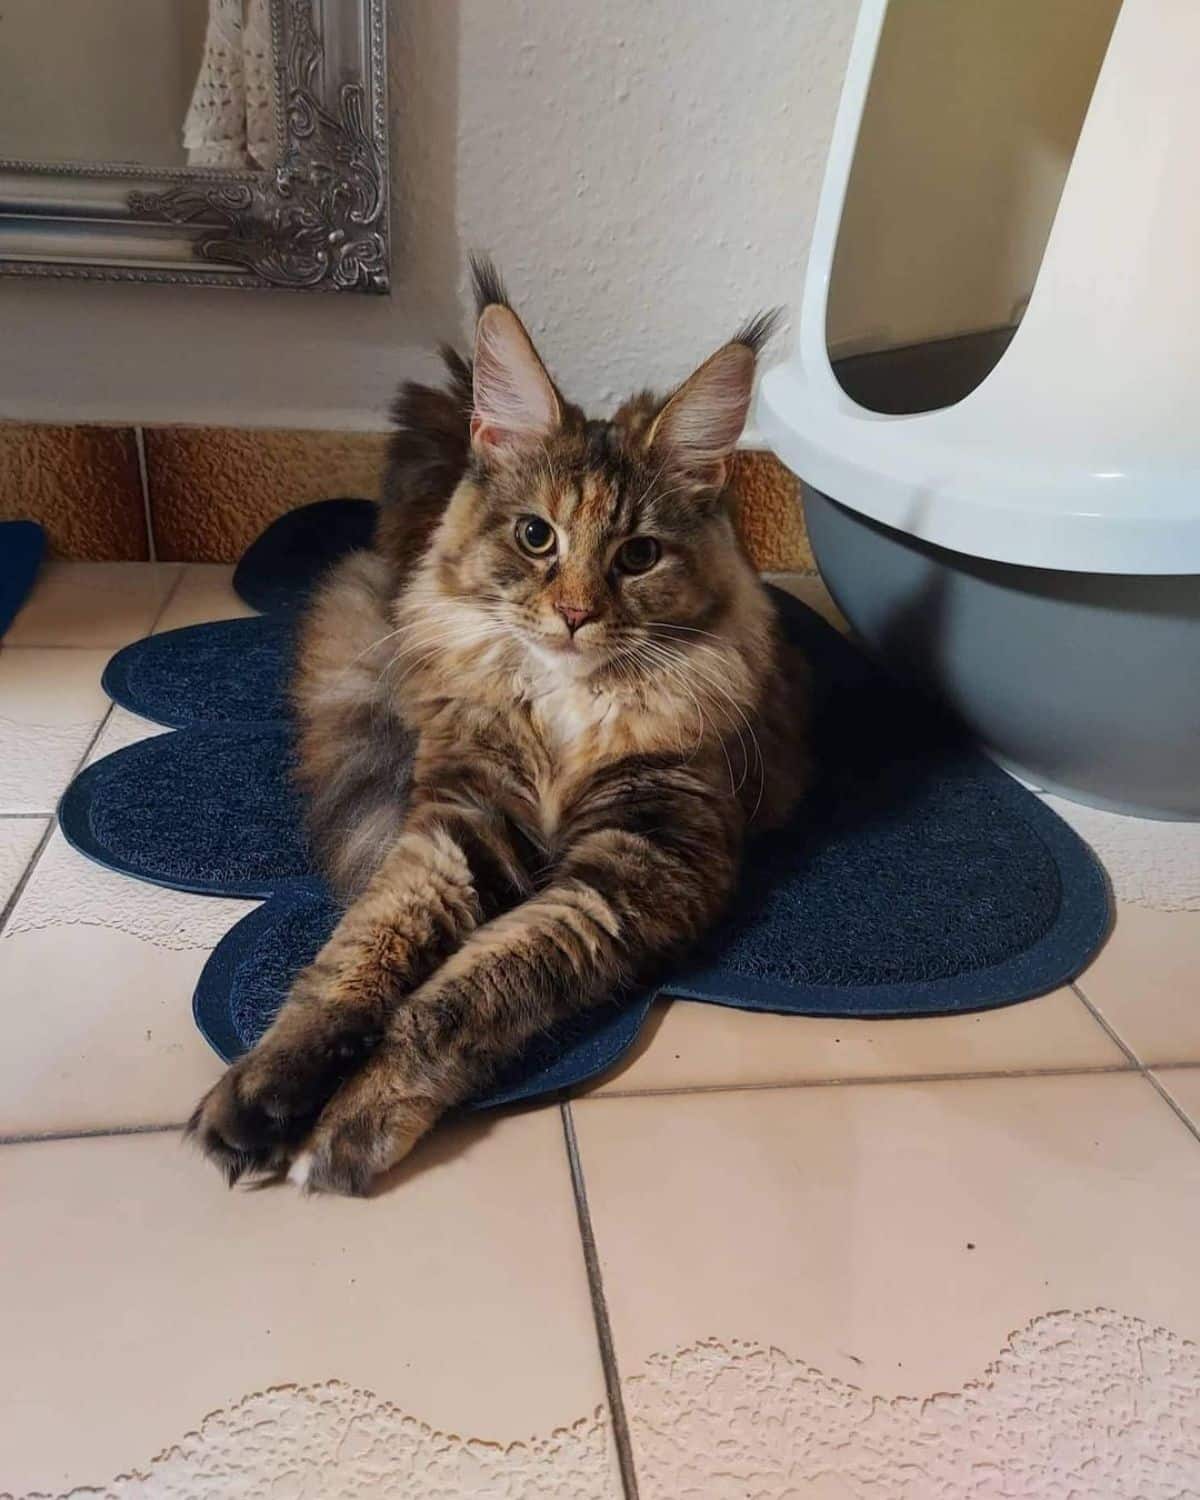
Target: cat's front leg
{"x":444,"y":875}
{"x":621,"y":900}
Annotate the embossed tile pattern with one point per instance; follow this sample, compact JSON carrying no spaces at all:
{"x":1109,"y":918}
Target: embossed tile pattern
{"x":97,"y":973}
{"x":19,"y":837}
{"x":1150,"y":861}
{"x":1091,"y":1403}
{"x":122,"y":728}
{"x":51,"y":704}
{"x":457,"y":1300}
{"x":891,"y":1237}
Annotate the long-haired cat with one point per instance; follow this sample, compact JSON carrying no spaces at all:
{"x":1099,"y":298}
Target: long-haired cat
{"x":536,"y":724}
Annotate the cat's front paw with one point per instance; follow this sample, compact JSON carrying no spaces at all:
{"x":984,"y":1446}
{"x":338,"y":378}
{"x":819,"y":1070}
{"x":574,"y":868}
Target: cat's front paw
{"x":371,"y":1123}
{"x":255,"y":1117}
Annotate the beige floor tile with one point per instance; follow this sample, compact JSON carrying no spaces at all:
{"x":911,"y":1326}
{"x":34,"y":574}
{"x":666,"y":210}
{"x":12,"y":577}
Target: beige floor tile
{"x":140,"y":1296}
{"x":122,"y":728}
{"x":1150,"y":861}
{"x":1146,"y":983}
{"x":810,"y":589}
{"x":97,"y":973}
{"x":830,"y":1251}
{"x":19,"y":838}
{"x":92,"y":604}
{"x":1183,"y":1085}
{"x":690,"y":1045}
{"x":205,"y":592}
{"x":51,"y":703}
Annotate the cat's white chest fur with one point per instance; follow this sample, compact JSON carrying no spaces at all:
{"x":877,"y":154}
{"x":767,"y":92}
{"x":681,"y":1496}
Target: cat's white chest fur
{"x":569,"y":712}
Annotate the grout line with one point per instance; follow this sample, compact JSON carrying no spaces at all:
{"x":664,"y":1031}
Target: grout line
{"x":608,"y":1353}
{"x":1146,"y":1069}
{"x":18,"y":892}
{"x":99,"y":1132}
{"x":11,"y":817}
{"x":1111,"y":1032}
{"x":168,"y":598}
{"x":1169,"y":1099}
{"x":855,"y":1082}
{"x":139,"y":438}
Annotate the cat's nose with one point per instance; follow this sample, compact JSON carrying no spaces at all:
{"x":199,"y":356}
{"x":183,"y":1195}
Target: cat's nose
{"x":574,"y":615}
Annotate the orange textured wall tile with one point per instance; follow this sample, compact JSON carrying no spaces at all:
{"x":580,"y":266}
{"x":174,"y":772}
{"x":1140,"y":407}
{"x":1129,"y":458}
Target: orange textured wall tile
{"x":769,"y":514}
{"x":213,"y":490}
{"x":82,"y":483}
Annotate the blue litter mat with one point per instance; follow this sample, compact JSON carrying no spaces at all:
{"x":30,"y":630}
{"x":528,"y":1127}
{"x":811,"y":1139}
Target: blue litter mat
{"x":22,"y":546}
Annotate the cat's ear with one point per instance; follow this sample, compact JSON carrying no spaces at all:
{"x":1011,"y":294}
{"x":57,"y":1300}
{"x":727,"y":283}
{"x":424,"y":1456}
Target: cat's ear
{"x":700,"y":424}
{"x":514,"y":400}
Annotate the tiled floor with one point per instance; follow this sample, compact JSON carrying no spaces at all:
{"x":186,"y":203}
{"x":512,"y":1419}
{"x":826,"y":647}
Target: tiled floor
{"x":764,"y":1257}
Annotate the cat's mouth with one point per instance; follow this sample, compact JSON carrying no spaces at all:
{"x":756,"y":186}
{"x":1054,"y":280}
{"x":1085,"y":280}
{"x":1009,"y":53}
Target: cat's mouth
{"x":566,"y":645}
{"x":569,"y":654}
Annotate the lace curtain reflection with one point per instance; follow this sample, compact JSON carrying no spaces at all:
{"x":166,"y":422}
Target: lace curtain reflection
{"x":231,"y":119}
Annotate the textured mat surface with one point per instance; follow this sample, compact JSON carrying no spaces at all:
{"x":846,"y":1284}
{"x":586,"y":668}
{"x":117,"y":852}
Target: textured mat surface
{"x":227,"y":672}
{"x":919,"y":880}
{"x":209,"y":809}
{"x":22,"y":547}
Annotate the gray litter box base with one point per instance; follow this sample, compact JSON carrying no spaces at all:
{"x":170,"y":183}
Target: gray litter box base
{"x":1086,"y":684}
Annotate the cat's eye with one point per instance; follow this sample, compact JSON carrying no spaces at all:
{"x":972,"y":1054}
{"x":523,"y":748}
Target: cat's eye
{"x":536,"y":536}
{"x":638,"y":554}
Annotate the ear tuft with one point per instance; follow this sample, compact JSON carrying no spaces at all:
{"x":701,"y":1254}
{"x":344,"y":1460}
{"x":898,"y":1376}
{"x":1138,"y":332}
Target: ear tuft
{"x":700,"y":425}
{"x":513,"y":398}
{"x":757,"y":332}
{"x":487,"y":283}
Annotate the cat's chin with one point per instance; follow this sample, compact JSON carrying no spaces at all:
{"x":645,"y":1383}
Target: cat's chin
{"x":565,"y":658}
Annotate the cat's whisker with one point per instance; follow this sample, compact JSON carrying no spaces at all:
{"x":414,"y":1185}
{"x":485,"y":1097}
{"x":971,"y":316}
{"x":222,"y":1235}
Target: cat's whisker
{"x":677,"y":667}
{"x":658,"y":666}
{"x":436,"y":648}
{"x":686,"y":663}
{"x":689,"y":629}
{"x":431,"y":644}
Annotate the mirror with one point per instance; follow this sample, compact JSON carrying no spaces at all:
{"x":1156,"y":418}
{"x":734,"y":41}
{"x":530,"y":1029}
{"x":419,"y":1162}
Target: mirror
{"x":218,"y":142}
{"x":100,"y":99}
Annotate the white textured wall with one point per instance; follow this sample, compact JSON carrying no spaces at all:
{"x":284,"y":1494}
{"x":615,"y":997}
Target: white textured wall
{"x":645,"y":172}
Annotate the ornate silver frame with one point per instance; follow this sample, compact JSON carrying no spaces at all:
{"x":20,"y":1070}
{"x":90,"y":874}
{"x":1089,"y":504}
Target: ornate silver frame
{"x":318,"y":220}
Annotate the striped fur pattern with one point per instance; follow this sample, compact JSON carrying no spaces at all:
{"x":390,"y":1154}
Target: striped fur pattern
{"x":560,"y":624}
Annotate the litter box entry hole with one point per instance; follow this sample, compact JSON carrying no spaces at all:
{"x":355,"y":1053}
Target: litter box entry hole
{"x":968,"y":131}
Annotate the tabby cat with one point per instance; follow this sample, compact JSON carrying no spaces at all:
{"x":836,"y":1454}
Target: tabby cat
{"x":537,"y":720}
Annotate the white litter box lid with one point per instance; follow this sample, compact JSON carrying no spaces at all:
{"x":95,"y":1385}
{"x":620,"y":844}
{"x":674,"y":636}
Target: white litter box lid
{"x":1081,"y":449}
